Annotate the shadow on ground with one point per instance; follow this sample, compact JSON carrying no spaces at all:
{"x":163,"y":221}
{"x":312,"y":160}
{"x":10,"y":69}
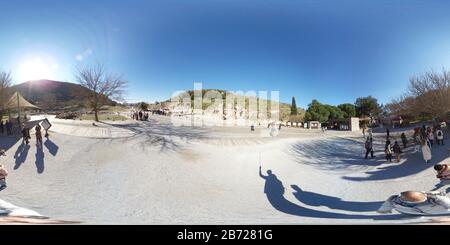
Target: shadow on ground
{"x":164,"y":135}
{"x":274,"y":190}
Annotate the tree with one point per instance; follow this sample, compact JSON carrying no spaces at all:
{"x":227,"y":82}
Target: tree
{"x":143,"y":106}
{"x":431,"y":93}
{"x":5,"y":83}
{"x":348,"y":109}
{"x":428,"y":97}
{"x":317,"y":112}
{"x":293,"y":107}
{"x":367,"y":106}
{"x":101,"y":86}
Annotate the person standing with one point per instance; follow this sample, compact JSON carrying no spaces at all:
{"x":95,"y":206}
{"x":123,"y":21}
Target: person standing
{"x":8,"y":128}
{"x":2,"y":127}
{"x":388,"y":151}
{"x":426,"y":152}
{"x":369,"y":147}
{"x":404,"y":140}
{"x":430,"y":136}
{"x":440,"y":137}
{"x":387,"y":133}
{"x":397,"y":151}
{"x":38,"y":135}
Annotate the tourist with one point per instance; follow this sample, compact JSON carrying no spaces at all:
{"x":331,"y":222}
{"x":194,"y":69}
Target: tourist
{"x":2,"y":127}
{"x":443,"y":174}
{"x":369,"y":147}
{"x":404,"y":140}
{"x":25,"y":134}
{"x":426,"y":152}
{"x":8,"y":126}
{"x":430,"y":136}
{"x":440,"y":137}
{"x":397,"y":151}
{"x":3,"y":174}
{"x":388,"y":151}
{"x":140,"y":115}
{"x":387,"y":133}
{"x":38,"y":134}
{"x":417,"y":141}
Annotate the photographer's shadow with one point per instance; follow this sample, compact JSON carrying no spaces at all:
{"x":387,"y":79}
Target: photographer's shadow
{"x":274,"y":190}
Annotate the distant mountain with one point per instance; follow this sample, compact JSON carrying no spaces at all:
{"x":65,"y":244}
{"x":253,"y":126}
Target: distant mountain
{"x":49,"y":94}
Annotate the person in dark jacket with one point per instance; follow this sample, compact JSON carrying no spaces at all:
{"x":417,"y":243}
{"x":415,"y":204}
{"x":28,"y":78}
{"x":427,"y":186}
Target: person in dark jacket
{"x":2,"y":127}
{"x":369,"y":147}
{"x":397,"y":151}
{"x":38,"y":135}
{"x":25,"y":134}
{"x":388,"y":151}
{"x":404,"y":140}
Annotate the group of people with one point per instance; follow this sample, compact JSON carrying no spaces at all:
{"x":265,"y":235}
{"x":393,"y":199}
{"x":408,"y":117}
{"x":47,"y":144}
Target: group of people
{"x":26,"y":134}
{"x":424,"y":138}
{"x":6,"y":127}
{"x":139,"y":115}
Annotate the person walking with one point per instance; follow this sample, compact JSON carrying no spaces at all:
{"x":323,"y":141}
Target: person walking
{"x":397,"y":151}
{"x":387,"y":133}
{"x":25,"y":134}
{"x":426,"y":152}
{"x":404,"y":140}
{"x":388,"y":151}
{"x":38,"y":135}
{"x":369,"y":147}
{"x":440,"y":137}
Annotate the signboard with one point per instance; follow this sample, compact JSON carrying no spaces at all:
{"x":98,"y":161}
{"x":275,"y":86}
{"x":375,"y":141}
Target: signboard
{"x":46,"y":124}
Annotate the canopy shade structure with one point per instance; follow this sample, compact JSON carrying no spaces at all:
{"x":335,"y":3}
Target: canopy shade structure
{"x":17,"y":101}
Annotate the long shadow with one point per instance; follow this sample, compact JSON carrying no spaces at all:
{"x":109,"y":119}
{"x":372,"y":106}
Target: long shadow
{"x":39,"y":160}
{"x":332,"y":154}
{"x":52,"y":147}
{"x":274,"y":190}
{"x":316,"y":199}
{"x":413,"y":164}
{"x":162,"y":134}
{"x":21,"y":155}
{"x":6,"y":142}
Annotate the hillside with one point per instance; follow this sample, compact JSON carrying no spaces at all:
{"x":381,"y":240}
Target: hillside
{"x":49,"y":94}
{"x":285,"y":108}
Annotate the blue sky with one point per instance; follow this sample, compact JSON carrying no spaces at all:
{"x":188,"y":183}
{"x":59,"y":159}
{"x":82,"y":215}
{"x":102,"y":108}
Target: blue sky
{"x":333,"y":51}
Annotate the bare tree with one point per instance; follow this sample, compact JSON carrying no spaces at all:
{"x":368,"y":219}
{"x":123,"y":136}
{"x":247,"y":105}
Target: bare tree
{"x":5,"y":82}
{"x":102,"y":86}
{"x":432,"y":94}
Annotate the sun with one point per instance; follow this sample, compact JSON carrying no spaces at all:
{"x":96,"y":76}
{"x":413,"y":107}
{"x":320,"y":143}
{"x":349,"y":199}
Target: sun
{"x":36,"y":68}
